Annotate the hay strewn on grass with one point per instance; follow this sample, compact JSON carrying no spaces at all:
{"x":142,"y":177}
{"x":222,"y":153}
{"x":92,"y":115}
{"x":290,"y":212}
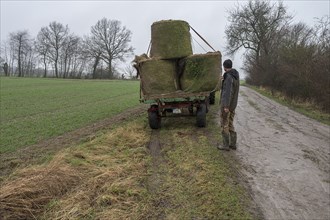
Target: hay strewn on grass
{"x":201,"y":72}
{"x":170,"y":39}
{"x":114,"y":167}
{"x":101,"y":179}
{"x":158,"y":76}
{"x":33,"y":188}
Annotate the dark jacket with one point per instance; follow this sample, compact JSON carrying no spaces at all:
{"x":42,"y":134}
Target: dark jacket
{"x":229,"y":90}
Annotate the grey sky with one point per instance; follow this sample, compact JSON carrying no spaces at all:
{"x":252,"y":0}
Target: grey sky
{"x":209,"y":18}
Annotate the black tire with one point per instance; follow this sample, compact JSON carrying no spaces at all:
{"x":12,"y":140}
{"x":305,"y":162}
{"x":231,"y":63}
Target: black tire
{"x":191,"y":110}
{"x":201,"y":115}
{"x":154,"y":119}
{"x":212,"y":98}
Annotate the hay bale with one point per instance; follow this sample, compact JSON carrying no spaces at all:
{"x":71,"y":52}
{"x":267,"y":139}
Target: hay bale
{"x":170,"y":39}
{"x":201,"y":72}
{"x":157,"y":76}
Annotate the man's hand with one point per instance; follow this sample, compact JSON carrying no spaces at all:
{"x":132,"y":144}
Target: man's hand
{"x":226,"y":110}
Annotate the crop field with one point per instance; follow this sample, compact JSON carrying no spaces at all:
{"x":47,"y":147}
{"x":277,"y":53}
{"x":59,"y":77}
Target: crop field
{"x":124,"y":171}
{"x":32,"y":110}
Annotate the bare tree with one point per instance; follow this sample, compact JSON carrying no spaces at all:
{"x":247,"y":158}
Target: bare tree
{"x":130,"y":71}
{"x":321,"y":58}
{"x":5,"y":58}
{"x":93,"y":51}
{"x":29,"y":59}
{"x":54,"y":37}
{"x":78,"y":64}
{"x":5,"y":68}
{"x":113,"y":40}
{"x":252,"y":26}
{"x":42,"y":48}
{"x":80,"y":61}
{"x":280,"y":56}
{"x":21,"y":44}
{"x":297,"y":35}
{"x":70,"y":46}
{"x":322,"y":34}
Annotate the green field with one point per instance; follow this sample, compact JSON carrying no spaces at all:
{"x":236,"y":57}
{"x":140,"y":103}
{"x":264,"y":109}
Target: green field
{"x":118,"y":173}
{"x":34,"y":109}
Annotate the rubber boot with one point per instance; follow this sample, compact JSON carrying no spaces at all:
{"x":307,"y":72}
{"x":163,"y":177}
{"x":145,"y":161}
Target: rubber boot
{"x":225,"y":141}
{"x":233,"y":140}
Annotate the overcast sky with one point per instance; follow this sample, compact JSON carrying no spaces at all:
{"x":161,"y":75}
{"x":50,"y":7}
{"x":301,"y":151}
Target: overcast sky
{"x":209,"y":18}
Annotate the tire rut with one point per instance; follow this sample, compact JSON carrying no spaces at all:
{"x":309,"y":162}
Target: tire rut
{"x":157,"y":159}
{"x":156,"y":179}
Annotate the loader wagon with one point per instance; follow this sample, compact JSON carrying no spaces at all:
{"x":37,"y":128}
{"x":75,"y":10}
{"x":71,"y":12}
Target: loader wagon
{"x":173,"y":80}
{"x":184,"y":104}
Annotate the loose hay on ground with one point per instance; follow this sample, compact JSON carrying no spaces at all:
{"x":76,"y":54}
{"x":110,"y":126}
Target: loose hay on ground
{"x":115,"y":167}
{"x":26,"y":195}
{"x":100,"y":179}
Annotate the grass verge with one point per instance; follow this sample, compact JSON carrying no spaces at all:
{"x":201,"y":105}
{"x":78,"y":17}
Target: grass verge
{"x":198,"y":182}
{"x":306,"y":108}
{"x":108,"y":177}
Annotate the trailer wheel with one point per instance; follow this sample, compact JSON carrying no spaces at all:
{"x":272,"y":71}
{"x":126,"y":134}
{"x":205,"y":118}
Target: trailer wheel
{"x":154,"y":117}
{"x":201,"y":115}
{"x":191,"y":110}
{"x":212,"y":98}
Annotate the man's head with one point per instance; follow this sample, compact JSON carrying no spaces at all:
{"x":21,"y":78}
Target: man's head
{"x":227,"y":64}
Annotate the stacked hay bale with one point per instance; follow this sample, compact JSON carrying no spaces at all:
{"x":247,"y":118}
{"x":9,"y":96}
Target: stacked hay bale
{"x":201,"y":72}
{"x":158,"y":76}
{"x":170,"y":39}
{"x":172,"y":65}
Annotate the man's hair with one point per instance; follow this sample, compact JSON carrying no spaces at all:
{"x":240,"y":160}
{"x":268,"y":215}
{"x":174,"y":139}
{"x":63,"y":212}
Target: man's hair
{"x":228,"y":64}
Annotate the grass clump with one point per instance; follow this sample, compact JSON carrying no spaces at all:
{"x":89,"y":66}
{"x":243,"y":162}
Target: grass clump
{"x":33,"y":188}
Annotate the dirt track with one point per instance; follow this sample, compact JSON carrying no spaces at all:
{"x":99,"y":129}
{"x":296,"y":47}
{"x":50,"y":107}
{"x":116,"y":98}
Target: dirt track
{"x":285,"y":157}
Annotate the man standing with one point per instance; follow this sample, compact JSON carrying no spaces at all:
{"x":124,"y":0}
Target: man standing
{"x":228,"y":103}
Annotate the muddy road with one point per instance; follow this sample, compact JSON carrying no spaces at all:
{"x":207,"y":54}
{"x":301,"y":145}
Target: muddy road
{"x":285,"y":157}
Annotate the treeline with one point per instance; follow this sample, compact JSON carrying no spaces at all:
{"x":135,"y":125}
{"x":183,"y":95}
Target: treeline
{"x":57,"y":52}
{"x":293,"y":59}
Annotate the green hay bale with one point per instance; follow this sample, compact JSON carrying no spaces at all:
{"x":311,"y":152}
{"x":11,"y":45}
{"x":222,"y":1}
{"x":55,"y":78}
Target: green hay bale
{"x":170,"y":39}
{"x":201,"y":72}
{"x":157,"y":76}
